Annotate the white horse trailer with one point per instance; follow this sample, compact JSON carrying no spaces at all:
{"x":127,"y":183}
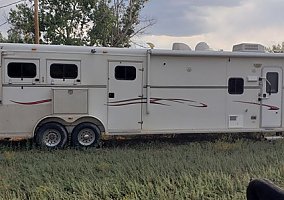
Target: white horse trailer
{"x":53,"y":93}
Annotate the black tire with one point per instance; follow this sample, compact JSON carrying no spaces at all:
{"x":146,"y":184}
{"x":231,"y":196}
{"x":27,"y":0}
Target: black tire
{"x":86,"y":135}
{"x":51,"y":135}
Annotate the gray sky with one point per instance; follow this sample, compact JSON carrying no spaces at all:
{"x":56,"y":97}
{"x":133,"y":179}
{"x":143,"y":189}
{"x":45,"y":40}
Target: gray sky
{"x":4,"y":13}
{"x":220,"y":23}
{"x":184,"y":17}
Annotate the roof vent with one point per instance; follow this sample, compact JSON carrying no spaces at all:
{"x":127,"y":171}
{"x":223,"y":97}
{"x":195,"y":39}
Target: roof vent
{"x":202,"y":46}
{"x":181,"y":46}
{"x":248,"y":47}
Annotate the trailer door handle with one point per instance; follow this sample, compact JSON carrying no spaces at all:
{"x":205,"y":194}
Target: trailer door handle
{"x":111,"y":95}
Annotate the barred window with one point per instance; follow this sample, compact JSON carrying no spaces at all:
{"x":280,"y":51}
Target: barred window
{"x":125,"y":73}
{"x":63,"y":71}
{"x":21,"y":70}
{"x":236,"y":86}
{"x":272,"y":82}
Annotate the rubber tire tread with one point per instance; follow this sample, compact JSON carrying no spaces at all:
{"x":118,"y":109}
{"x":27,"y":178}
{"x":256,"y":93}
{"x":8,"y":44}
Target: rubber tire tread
{"x":51,"y":125}
{"x":79,"y":127}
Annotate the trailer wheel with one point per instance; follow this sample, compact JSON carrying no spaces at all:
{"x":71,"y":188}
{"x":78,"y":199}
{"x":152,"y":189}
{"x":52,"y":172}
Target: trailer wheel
{"x":51,"y":135}
{"x":86,"y":135}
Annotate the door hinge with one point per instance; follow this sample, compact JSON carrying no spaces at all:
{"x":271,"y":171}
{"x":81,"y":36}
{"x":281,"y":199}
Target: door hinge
{"x":140,"y":122}
{"x":142,"y":70}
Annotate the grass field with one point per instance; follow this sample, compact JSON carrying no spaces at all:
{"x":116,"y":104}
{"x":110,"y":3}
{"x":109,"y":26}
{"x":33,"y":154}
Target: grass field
{"x":200,"y":170}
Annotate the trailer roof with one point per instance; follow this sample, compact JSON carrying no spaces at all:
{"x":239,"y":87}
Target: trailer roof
{"x":68,"y":49}
{"x":215,"y":54}
{"x":116,"y":51}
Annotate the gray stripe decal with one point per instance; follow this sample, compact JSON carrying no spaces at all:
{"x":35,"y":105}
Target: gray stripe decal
{"x":252,"y":87}
{"x":199,"y":87}
{"x":190,"y":87}
{"x":105,"y":86}
{"x":57,"y":86}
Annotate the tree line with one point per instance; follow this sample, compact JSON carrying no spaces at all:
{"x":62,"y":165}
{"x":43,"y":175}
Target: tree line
{"x":79,"y":22}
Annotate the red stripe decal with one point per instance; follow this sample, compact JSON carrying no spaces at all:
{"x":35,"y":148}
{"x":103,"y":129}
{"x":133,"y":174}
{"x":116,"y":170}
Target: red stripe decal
{"x":33,"y":102}
{"x":158,"y":101}
{"x":270,"y":107}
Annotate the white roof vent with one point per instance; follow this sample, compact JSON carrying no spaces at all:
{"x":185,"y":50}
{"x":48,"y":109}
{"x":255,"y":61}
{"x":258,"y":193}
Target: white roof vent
{"x":181,"y":46}
{"x":248,"y":47}
{"x":202,"y":46}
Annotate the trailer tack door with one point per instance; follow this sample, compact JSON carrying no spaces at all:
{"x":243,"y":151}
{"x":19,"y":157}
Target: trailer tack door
{"x":271,"y":97}
{"x":124,"y":96}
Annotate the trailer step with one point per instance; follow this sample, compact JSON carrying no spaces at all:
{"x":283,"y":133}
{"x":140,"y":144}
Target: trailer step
{"x":271,"y":138}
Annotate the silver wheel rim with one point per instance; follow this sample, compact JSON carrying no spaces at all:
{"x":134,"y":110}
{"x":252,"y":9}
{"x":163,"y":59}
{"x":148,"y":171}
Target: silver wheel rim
{"x":51,"y":137}
{"x":86,"y":137}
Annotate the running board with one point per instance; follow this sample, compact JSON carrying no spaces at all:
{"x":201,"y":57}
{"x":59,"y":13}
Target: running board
{"x":271,"y":138}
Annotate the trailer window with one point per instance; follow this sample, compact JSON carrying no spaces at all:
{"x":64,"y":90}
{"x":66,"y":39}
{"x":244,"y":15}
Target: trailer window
{"x":236,"y":86}
{"x":125,"y":73}
{"x":272,"y":82}
{"x":63,"y":71}
{"x":21,"y":70}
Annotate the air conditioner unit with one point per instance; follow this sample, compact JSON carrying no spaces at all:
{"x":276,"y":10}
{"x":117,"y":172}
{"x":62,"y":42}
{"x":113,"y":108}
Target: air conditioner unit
{"x":249,"y":47}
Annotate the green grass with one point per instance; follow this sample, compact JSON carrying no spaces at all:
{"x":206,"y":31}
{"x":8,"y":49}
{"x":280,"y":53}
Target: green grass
{"x":151,"y":170}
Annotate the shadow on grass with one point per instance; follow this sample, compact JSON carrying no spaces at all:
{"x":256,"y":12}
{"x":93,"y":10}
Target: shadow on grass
{"x":178,"y":139}
{"x":16,"y":145}
{"x":140,"y":141}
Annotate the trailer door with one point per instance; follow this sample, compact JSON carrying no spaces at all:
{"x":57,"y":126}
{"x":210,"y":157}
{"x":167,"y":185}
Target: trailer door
{"x":124,"y":97}
{"x":271,"y":97}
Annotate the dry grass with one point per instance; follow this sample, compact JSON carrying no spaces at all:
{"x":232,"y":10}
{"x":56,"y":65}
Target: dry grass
{"x":149,"y":170}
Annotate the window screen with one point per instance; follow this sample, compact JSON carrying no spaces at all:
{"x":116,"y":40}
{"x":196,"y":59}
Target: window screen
{"x":272,"y":82}
{"x":236,"y":86}
{"x":63,"y":71}
{"x":125,"y":73}
{"x":21,"y":70}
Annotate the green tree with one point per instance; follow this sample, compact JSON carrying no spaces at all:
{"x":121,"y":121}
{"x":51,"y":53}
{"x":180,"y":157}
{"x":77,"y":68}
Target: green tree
{"x":277,"y":48}
{"x":2,"y":38}
{"x":116,"y":22}
{"x":22,"y":29}
{"x":79,"y":22}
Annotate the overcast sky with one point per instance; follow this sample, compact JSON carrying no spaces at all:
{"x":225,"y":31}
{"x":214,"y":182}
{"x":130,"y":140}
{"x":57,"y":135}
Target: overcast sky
{"x":220,"y":23}
{"x":4,"y":13}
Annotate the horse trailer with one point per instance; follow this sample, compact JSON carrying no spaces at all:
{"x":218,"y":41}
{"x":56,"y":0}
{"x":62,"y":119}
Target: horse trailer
{"x":59,"y":93}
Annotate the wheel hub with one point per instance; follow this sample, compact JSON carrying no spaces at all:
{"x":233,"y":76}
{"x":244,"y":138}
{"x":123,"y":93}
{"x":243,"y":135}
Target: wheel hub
{"x":52,"y":138}
{"x":86,"y":137}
